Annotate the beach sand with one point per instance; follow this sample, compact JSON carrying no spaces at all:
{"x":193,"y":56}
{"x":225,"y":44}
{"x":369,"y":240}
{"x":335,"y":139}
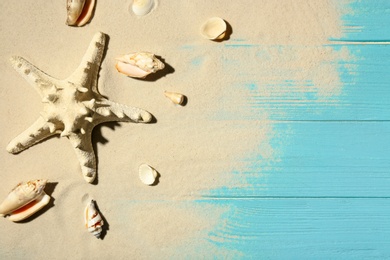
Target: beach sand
{"x":195,"y":148}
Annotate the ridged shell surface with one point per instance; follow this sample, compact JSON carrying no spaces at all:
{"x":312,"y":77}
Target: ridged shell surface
{"x":93,"y":220}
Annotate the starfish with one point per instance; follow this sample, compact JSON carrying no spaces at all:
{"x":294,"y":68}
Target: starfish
{"x":73,"y":107}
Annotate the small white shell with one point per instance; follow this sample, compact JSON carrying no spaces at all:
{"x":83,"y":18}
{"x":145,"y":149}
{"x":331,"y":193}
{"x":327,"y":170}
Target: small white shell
{"x":142,"y":7}
{"x":79,"y":11}
{"x":93,"y":220}
{"x":176,"y":98}
{"x":24,"y":200}
{"x":214,"y":28}
{"x":147,"y":174}
{"x":138,"y":64}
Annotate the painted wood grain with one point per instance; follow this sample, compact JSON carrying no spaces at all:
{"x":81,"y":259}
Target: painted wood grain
{"x":306,"y":228}
{"x":325,"y":193}
{"x":363,"y":95}
{"x":319,"y":159}
{"x":366,"y":20}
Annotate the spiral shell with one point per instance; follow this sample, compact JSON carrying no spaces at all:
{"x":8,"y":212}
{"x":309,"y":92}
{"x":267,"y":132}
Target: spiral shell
{"x":93,"y":220}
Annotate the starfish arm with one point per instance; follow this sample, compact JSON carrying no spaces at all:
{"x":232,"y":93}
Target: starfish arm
{"x":111,"y":111}
{"x":87,"y":72}
{"x":37,"y":78}
{"x":82,"y":145}
{"x":38,"y":131}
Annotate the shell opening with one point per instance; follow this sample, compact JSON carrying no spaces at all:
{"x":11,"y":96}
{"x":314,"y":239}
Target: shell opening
{"x":30,"y":209}
{"x":79,"y":12}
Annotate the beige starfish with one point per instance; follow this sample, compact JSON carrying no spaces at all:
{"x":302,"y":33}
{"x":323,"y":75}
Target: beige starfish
{"x":73,"y":107}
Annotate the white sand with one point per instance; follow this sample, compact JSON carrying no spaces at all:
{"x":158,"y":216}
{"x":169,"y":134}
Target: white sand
{"x":195,"y":148}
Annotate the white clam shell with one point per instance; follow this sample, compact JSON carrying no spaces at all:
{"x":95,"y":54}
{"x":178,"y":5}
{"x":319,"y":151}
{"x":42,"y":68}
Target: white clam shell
{"x":93,"y":220}
{"x":79,"y":11}
{"x":138,"y":64}
{"x":143,"y":7}
{"x":24,"y":200}
{"x":214,"y":28}
{"x":147,"y":174}
{"x":176,"y":98}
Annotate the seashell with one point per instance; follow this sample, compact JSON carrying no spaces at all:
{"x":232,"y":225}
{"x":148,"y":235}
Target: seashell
{"x":176,"y":98}
{"x":143,"y":7}
{"x":29,"y":209}
{"x":21,"y":195}
{"x":74,"y":9}
{"x":214,"y":28}
{"x":79,"y":11}
{"x":147,"y":174}
{"x":93,"y":220}
{"x":138,"y":64}
{"x":25,"y":200}
{"x":86,"y":14}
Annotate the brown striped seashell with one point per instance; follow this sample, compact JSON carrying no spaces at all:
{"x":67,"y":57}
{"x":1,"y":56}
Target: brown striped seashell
{"x":93,"y":220}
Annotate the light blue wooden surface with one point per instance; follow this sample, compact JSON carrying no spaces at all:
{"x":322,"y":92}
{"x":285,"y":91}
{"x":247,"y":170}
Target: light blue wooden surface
{"x":326,"y":191}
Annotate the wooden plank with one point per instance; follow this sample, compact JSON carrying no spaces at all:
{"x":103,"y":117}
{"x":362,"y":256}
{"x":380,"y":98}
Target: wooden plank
{"x":305,"y":228}
{"x":366,"y":20}
{"x":342,"y":159}
{"x":363,"y":93}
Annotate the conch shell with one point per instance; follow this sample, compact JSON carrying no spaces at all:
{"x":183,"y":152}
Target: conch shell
{"x":93,"y":220}
{"x":25,"y":200}
{"x":138,"y":64}
{"x":79,"y":11}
